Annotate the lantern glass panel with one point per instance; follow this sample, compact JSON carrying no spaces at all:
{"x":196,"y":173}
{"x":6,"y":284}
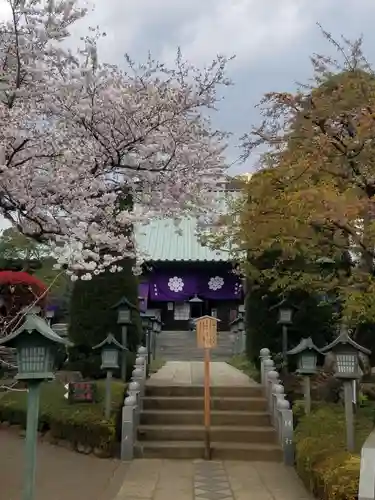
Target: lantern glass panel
{"x":124,"y":315}
{"x":110,"y":358}
{"x":285,"y":315}
{"x":241,"y":325}
{"x":308,"y":360}
{"x":347,"y":364}
{"x":35,"y":360}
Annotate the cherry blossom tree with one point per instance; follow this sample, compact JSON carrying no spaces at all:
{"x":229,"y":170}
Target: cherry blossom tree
{"x":89,"y":149}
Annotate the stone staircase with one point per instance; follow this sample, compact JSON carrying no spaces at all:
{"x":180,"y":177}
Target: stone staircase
{"x":182,"y":346}
{"x":172,"y":424}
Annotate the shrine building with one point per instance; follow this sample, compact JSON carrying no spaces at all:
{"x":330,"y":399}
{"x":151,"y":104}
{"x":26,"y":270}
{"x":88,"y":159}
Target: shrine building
{"x":183,"y":279}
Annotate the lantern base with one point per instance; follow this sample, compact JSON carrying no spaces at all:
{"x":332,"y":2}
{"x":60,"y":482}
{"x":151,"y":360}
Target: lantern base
{"x":306,"y":373}
{"x":109,"y":367}
{"x":35,"y":376}
{"x":349,"y":376}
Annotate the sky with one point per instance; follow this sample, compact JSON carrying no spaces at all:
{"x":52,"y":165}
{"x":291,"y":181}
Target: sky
{"x":271,"y":39}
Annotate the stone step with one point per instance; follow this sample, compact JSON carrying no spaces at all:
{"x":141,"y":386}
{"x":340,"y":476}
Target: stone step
{"x":176,"y":391}
{"x":220,"y":451}
{"x":184,"y":417}
{"x":232,"y":434}
{"x":196,"y":403}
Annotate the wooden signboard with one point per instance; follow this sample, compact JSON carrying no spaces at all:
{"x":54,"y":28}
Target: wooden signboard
{"x":80,"y":392}
{"x":207,"y":340}
{"x":207,"y":332}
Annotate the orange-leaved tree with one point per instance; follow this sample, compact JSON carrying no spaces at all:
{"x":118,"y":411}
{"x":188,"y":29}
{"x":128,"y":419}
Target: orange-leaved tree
{"x":312,"y":200}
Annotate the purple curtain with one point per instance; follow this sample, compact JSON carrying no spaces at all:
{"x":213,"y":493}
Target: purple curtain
{"x":173,"y":287}
{"x":143,"y":289}
{"x":224,"y":286}
{"x":183,"y":286}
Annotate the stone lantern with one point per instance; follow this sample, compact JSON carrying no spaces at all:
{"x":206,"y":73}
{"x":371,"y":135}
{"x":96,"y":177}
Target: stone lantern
{"x":346,"y":355}
{"x":307,"y":354}
{"x":124,"y":310}
{"x":110,"y":349}
{"x":36,"y":345}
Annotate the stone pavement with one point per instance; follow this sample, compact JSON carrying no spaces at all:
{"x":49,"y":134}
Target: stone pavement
{"x":199,"y":480}
{"x":61,"y":474}
{"x":192,"y":373}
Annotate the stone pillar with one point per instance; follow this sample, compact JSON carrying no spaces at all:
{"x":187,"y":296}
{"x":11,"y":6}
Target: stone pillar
{"x":264,"y":354}
{"x":277,"y":393}
{"x":286,"y":432}
{"x":134,"y":390}
{"x":269,"y":366}
{"x":128,"y":428}
{"x":272,"y":378}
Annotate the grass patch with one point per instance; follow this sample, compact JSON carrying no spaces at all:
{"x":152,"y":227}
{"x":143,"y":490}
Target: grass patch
{"x":156,"y":364}
{"x":79,"y":423}
{"x":242,"y":363}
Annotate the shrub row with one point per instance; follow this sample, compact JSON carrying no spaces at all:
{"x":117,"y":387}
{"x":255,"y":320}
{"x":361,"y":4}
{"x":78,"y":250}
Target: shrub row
{"x":81,"y":424}
{"x":322,"y":462}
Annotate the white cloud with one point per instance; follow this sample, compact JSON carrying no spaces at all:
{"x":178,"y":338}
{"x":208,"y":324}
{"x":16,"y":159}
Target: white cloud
{"x":247,"y":28}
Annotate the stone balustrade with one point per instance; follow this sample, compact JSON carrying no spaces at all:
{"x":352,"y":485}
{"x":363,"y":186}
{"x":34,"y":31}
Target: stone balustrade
{"x":278,"y":407}
{"x":133,"y":404}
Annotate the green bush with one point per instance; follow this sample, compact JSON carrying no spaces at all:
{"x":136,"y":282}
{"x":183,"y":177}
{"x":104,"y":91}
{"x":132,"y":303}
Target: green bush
{"x":322,"y":462}
{"x":79,"y":423}
{"x":92,"y":316}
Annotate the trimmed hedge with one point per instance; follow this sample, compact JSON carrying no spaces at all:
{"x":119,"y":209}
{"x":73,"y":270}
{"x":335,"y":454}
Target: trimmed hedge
{"x":91,"y":313}
{"x":322,"y":462}
{"x":81,"y":424}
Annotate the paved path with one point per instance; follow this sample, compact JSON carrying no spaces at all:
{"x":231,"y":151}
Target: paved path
{"x":61,"y":474}
{"x":192,"y":373}
{"x":199,"y":480}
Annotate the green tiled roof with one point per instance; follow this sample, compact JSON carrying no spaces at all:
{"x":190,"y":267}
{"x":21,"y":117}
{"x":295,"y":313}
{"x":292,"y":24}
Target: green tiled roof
{"x":160,"y":241}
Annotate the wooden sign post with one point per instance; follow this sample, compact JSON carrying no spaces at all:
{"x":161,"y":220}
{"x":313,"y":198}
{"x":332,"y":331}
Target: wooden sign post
{"x":207,"y":339}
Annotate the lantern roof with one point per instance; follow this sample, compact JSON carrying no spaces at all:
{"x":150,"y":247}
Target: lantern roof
{"x":345,"y":339}
{"x":305,"y":345}
{"x":284,"y":303}
{"x":110,"y":341}
{"x":34,"y":323}
{"x":147,"y":315}
{"x":124,"y":302}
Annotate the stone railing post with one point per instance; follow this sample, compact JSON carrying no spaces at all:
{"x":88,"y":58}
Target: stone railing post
{"x":272,"y":378}
{"x":134,"y":390}
{"x":140,"y":362}
{"x":366,"y":489}
{"x":277,"y":394}
{"x":138,"y":376}
{"x":128,"y":428}
{"x":269,"y":366}
{"x":264,"y":355}
{"x":143,"y":353}
{"x":285,"y":429}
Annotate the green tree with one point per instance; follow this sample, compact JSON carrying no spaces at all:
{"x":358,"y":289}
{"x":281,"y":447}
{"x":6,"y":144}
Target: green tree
{"x":92,"y":316}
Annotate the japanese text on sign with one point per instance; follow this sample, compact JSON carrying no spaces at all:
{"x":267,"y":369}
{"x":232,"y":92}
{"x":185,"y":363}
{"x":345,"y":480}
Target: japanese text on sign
{"x":207,"y":332}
